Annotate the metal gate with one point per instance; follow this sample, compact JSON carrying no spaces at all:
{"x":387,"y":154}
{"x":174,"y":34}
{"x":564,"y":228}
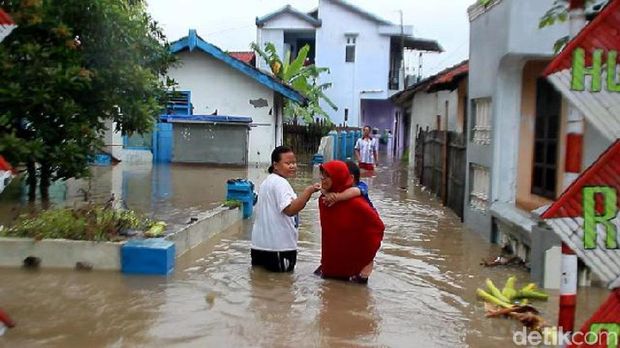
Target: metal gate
{"x":211,"y":143}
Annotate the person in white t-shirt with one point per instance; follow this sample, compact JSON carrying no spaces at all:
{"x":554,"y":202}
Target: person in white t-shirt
{"x":366,"y":150}
{"x":274,"y":234}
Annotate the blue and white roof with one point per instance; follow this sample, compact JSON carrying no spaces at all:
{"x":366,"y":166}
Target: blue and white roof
{"x":192,"y":41}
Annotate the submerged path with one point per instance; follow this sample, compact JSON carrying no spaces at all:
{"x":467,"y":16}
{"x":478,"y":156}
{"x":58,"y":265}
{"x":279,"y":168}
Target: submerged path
{"x":422,"y":293}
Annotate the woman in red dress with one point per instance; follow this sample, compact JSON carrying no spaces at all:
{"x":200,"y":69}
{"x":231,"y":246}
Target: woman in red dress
{"x":351,"y":230}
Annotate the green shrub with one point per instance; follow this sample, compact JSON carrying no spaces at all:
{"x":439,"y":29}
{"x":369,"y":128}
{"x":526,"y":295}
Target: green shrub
{"x":232,"y":203}
{"x":92,"y":222}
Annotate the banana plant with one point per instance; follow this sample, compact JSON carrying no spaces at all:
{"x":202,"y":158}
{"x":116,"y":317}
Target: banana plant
{"x":303,"y":78}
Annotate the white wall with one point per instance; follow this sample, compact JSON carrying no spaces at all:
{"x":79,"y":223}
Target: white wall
{"x":215,"y":85}
{"x":369,"y":71}
{"x":275,"y":36}
{"x":424,"y":110}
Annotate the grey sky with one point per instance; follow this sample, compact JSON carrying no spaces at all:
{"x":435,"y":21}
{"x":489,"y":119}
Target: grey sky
{"x":229,"y":24}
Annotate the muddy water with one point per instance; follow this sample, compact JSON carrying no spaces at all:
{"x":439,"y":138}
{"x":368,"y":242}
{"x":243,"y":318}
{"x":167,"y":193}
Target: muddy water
{"x":172,"y":193}
{"x":422,"y":293}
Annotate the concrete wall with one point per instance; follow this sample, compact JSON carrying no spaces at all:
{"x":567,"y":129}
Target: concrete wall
{"x":426,"y":106}
{"x":368,"y":73}
{"x":62,"y":253}
{"x":113,"y":144}
{"x":216,"y":86}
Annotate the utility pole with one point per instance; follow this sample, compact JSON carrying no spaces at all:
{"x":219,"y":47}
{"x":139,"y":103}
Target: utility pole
{"x":574,"y":155}
{"x":402,"y":48}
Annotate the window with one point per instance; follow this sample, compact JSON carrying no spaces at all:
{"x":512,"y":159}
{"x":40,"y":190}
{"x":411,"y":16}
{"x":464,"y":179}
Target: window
{"x":479,"y":182}
{"x":350,"y":48}
{"x":179,"y":103}
{"x":481,"y":122}
{"x":548,"y":106}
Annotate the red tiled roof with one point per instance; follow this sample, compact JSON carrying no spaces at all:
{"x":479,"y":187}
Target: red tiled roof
{"x":602,"y":32}
{"x":5,"y":19}
{"x":246,"y":57}
{"x":449,"y":76}
{"x":608,"y":313}
{"x":605,"y":171}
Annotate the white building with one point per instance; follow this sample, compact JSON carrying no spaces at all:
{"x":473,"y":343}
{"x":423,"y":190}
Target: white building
{"x":362,"y":51}
{"x":217,"y":98}
{"x":517,"y":129}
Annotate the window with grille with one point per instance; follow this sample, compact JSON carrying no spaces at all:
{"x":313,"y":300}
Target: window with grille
{"x":481,"y":122}
{"x":350,"y":48}
{"x":479,"y":179}
{"x":179,"y":103}
{"x":546,"y":134}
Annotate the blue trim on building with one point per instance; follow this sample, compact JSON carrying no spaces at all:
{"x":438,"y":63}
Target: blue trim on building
{"x":193,"y":41}
{"x":206,"y":119}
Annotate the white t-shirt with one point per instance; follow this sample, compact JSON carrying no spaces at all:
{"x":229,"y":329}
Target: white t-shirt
{"x":273,"y":230}
{"x":366,"y":147}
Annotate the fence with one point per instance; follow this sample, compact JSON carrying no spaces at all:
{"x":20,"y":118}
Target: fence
{"x":441,"y":167}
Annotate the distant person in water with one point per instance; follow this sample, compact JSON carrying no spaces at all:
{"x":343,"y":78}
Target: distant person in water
{"x":359,"y":188}
{"x":366,"y":149}
{"x":351,"y":230}
{"x":274,"y":234}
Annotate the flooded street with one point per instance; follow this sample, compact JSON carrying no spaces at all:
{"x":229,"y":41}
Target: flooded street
{"x":421,"y":294}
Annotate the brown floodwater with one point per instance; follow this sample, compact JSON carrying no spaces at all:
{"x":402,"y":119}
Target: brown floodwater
{"x":421,"y":294}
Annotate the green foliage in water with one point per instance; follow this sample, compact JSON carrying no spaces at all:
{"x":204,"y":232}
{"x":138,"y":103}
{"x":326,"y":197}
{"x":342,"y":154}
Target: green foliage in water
{"x":92,"y":222}
{"x":232,"y":203}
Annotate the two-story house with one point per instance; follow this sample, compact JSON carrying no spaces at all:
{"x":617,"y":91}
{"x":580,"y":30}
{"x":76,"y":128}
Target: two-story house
{"x":363,"y":52}
{"x":517,"y":131}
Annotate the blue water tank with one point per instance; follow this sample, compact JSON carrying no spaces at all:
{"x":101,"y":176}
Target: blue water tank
{"x":242,"y":190}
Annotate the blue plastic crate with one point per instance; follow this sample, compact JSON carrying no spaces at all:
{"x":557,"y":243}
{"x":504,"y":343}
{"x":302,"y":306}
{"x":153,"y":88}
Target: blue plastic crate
{"x":148,"y":256}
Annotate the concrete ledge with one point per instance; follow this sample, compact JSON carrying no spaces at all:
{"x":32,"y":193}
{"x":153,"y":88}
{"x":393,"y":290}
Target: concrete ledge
{"x":207,"y":226}
{"x":63,"y":253}
{"x":60,"y":253}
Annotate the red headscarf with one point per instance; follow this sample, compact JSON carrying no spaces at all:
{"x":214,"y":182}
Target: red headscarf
{"x":351,"y":231}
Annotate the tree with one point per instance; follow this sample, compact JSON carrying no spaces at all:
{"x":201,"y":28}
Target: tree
{"x":303,"y":78}
{"x":558,"y":13}
{"x":69,"y":66}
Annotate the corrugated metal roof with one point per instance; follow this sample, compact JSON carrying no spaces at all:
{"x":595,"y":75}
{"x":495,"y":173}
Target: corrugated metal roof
{"x":608,"y":313}
{"x":565,"y":215}
{"x":599,"y":108}
{"x":442,"y":80}
{"x":450,"y":77}
{"x":604,"y":171}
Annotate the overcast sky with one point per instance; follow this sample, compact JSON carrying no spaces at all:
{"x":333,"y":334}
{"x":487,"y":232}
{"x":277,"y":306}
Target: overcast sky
{"x":230,"y":24}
